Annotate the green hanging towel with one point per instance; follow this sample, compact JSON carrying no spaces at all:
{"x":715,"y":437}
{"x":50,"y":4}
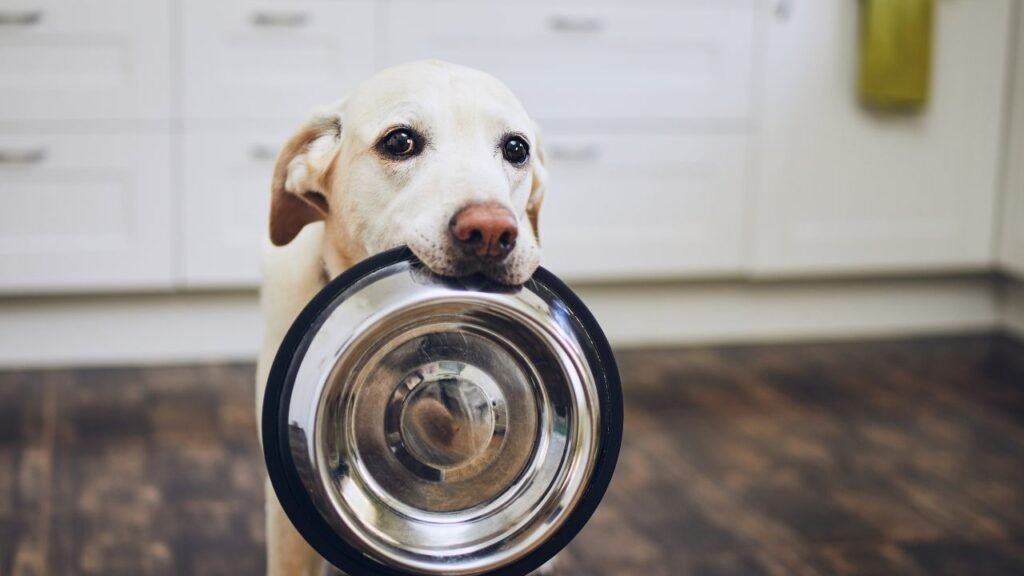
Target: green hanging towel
{"x":896,"y":52}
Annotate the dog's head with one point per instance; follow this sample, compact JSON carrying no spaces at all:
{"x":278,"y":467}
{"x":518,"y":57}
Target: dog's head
{"x":436,"y":156}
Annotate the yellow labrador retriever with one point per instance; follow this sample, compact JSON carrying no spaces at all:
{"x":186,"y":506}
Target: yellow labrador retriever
{"x":436,"y":156}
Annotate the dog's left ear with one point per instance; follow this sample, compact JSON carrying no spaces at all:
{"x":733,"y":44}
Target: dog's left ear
{"x":299,"y":189}
{"x":540,"y":178}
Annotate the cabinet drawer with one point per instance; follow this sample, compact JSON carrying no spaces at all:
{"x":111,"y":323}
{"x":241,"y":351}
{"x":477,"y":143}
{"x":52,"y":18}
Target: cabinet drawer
{"x":643,"y":205}
{"x":273,"y":59}
{"x":88,"y":59}
{"x":686,"y":60}
{"x":84,"y":212}
{"x":227,"y":202}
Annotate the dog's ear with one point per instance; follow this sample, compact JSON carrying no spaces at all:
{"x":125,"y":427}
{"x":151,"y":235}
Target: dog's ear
{"x":300,"y":190}
{"x":540,"y":178}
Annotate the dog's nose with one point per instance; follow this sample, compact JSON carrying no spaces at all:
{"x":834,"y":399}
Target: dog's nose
{"x":488,"y":230}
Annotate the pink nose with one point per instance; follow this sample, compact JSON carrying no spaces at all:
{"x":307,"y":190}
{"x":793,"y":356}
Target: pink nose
{"x":487,"y":230}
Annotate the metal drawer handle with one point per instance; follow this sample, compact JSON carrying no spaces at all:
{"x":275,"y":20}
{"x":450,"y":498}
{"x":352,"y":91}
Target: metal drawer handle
{"x":30,"y":18}
{"x":565,"y":23}
{"x":279,"y":19}
{"x":582,"y":153}
{"x":22,"y":156}
{"x":262,"y":153}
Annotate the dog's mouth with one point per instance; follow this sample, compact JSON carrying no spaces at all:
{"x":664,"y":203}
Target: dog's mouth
{"x":510,"y":272}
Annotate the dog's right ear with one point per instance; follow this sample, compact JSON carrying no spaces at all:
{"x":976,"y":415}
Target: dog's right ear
{"x":299,"y":190}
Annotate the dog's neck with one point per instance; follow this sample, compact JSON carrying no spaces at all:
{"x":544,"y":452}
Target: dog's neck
{"x":335,"y":261}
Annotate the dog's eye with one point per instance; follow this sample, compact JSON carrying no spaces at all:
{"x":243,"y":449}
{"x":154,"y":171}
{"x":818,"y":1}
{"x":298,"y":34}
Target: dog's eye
{"x":400,"y":143}
{"x":516,"y":150}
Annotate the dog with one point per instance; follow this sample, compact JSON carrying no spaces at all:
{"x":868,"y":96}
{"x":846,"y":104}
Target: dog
{"x":435,"y":156}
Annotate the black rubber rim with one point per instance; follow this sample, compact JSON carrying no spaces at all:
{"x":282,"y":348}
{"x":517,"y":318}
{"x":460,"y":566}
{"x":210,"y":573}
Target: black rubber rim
{"x":300,"y":508}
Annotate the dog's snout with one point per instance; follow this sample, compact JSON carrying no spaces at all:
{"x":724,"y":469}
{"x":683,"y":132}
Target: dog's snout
{"x":487,"y":230}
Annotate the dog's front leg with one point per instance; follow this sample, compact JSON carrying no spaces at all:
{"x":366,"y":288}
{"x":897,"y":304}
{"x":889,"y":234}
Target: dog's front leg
{"x":288,"y":554}
{"x":547,"y":569}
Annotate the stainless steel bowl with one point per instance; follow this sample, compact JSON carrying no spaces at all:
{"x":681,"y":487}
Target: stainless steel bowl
{"x":414,"y":424}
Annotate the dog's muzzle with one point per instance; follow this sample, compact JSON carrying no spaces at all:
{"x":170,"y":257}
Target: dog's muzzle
{"x":414,"y":424}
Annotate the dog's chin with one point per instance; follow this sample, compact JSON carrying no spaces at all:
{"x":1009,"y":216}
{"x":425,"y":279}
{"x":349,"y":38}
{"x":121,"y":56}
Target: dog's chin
{"x":513,"y":271}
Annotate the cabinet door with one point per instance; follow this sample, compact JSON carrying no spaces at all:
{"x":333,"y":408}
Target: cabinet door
{"x":227,"y":202}
{"x":643,"y":205}
{"x":841,"y":189}
{"x":272,"y":58}
{"x":84,"y":212}
{"x":680,"y":60}
{"x":84,"y":60}
{"x":1012,"y":254}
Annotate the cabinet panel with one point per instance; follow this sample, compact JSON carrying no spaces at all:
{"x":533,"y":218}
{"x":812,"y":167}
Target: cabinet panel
{"x":88,"y":59}
{"x":227,"y":202}
{"x":592,"y":61}
{"x":635,"y":206}
{"x":273,"y":59}
{"x":843,"y":189}
{"x":84,"y":212}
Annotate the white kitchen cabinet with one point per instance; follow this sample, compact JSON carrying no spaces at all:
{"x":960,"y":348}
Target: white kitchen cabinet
{"x":617,"y":206}
{"x":1012,"y":245}
{"x":597,"y":61}
{"x":85,"y":212}
{"x":271,"y":58}
{"x":84,"y":60}
{"x":227,"y":202}
{"x":840,"y":189}
{"x":642,"y":205}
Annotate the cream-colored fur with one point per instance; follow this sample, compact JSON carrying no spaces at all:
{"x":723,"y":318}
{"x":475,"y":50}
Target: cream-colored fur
{"x":336,"y":200}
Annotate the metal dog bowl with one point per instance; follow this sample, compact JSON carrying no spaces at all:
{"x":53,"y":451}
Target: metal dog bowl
{"x":414,"y":424}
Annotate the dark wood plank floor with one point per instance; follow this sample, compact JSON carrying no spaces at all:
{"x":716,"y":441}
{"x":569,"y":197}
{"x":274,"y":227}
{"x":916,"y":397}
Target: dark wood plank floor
{"x":902,"y":457}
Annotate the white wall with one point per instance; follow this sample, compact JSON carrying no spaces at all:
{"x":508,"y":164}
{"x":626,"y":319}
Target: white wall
{"x":1012,"y":241}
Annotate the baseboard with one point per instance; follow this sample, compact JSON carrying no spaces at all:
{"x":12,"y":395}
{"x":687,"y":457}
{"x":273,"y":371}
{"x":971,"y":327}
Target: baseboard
{"x":1013,"y":307}
{"x":128,"y":329}
{"x":200,"y":327}
{"x":781,"y":311}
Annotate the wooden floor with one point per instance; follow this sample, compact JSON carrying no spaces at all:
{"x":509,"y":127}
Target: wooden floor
{"x":869,"y":458}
